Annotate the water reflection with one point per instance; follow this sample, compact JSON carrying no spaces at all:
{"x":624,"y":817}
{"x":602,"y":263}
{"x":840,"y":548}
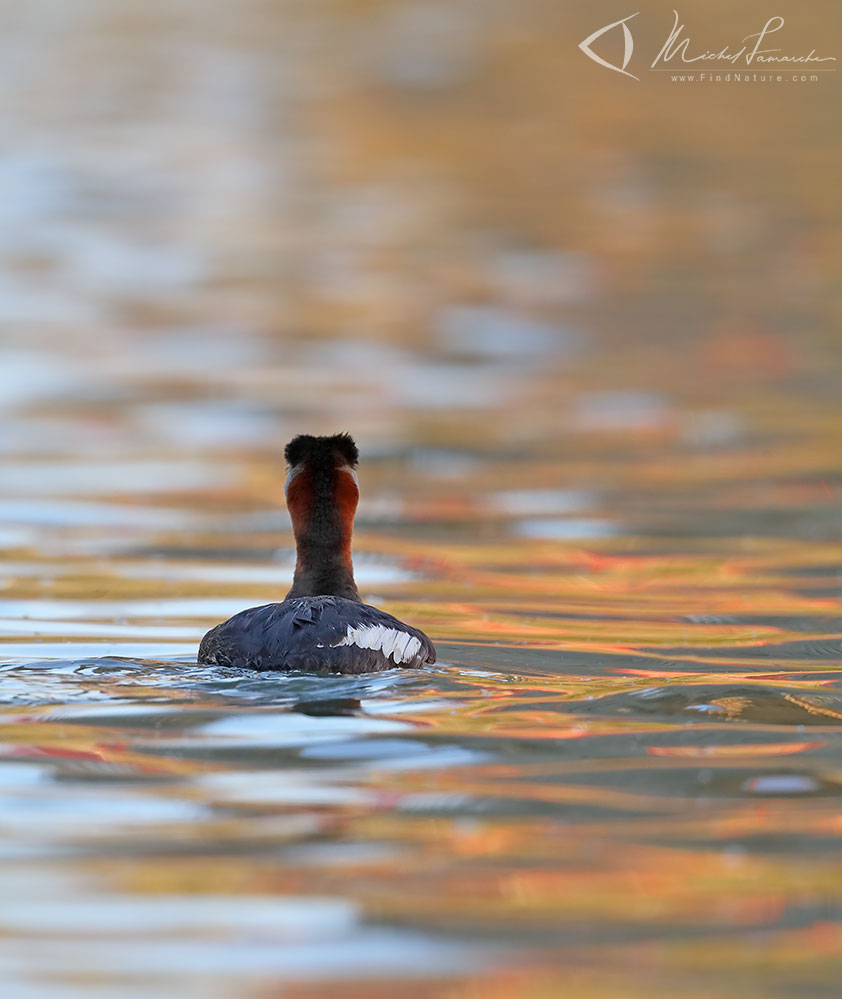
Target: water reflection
{"x":590,"y":352}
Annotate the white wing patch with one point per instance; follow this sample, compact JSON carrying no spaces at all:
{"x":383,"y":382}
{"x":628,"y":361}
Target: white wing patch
{"x":398,"y":645}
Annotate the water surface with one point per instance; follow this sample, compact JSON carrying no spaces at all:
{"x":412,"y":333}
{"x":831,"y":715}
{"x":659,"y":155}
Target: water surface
{"x":589,"y":349}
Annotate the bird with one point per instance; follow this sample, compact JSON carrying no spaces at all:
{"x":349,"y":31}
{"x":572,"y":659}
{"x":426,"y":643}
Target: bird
{"x":322,"y":625}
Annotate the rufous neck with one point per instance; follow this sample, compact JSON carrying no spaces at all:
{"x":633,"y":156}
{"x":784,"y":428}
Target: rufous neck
{"x":322,"y":506}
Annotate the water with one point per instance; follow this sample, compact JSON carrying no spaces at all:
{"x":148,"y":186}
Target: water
{"x":627,"y":753}
{"x":590,"y":352}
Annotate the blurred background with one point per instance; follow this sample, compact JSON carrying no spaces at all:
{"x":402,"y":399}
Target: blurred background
{"x":585,"y":330}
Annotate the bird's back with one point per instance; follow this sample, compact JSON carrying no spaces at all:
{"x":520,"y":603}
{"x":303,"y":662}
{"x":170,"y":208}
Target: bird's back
{"x":321,"y":633}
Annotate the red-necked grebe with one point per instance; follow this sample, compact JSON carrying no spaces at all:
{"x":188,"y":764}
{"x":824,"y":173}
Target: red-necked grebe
{"x":321,"y":625}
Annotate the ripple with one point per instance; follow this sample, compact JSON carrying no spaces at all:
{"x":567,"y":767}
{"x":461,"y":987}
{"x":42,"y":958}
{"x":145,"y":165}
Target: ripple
{"x":293,"y":918}
{"x":827,"y":648}
{"x":782,"y":784}
{"x":567,"y":528}
{"x":723,"y":702}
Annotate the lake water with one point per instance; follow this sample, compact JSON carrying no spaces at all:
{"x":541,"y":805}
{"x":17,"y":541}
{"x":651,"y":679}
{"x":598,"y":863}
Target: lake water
{"x":590,"y":352}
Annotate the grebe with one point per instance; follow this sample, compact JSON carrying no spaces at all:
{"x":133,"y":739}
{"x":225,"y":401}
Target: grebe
{"x":321,"y":625}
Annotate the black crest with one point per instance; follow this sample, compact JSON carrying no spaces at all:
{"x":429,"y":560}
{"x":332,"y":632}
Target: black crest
{"x":323,"y":451}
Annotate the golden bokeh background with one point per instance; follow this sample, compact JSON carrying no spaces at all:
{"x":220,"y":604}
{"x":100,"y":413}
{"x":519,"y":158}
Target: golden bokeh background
{"x":585,"y":329}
